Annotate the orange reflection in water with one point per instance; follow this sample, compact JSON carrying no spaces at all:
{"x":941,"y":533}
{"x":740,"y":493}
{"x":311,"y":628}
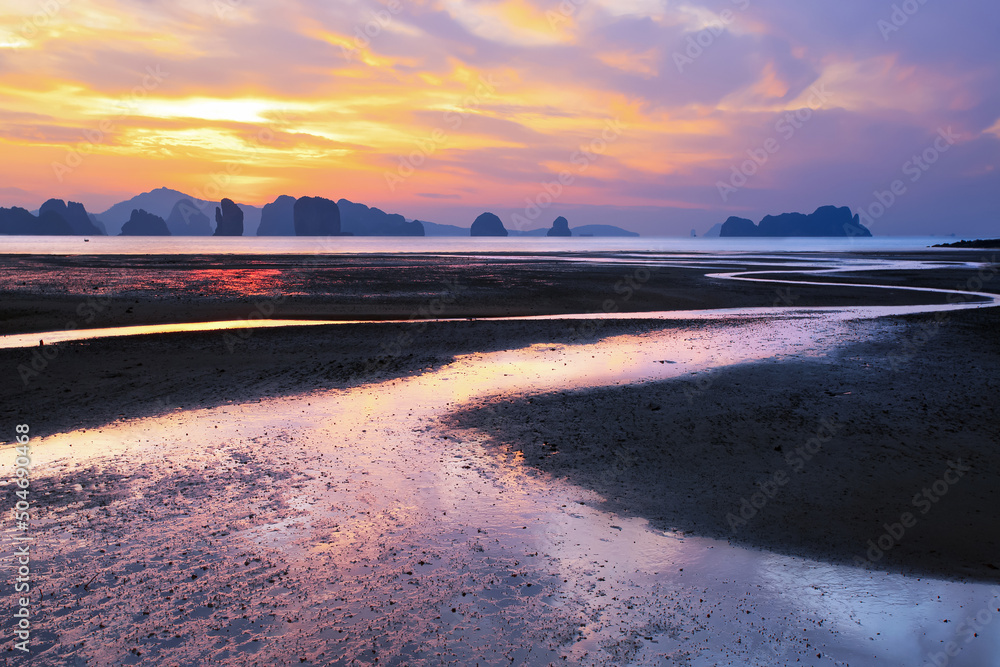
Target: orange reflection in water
{"x":239,"y":282}
{"x":51,"y":337}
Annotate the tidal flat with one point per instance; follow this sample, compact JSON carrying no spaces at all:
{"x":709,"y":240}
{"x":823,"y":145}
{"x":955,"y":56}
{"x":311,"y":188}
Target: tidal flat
{"x":513,"y":460}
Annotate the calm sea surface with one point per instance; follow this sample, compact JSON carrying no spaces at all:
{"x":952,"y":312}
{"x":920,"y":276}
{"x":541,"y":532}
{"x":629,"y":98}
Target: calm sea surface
{"x":253,"y":245}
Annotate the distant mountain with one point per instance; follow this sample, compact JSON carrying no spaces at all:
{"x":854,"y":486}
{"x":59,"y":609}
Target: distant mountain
{"x":361,"y":220}
{"x":141,"y":223}
{"x":228,"y":219}
{"x":55,"y":218}
{"x":356,"y":219}
{"x":824,"y":221}
{"x":714,"y":232}
{"x":488,"y":224}
{"x":186,"y":219}
{"x":161,"y":202}
{"x":979,"y":243}
{"x":560,"y":227}
{"x":602,"y":230}
{"x":18,"y":221}
{"x":434,"y":229}
{"x":73,"y":213}
{"x":584,"y":230}
{"x":736,"y":226}
{"x":278,"y":217}
{"x":316,"y":216}
{"x":97,"y":223}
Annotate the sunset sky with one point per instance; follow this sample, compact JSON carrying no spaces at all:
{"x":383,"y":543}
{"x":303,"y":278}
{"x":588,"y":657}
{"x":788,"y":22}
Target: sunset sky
{"x":441,"y":109}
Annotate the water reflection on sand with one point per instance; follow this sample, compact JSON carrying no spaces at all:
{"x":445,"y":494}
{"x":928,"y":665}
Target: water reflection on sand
{"x":423,"y":543}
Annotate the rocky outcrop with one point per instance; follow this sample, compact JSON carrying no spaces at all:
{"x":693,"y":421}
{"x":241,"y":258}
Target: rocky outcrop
{"x":73,"y":213}
{"x":145,"y":224}
{"x":51,"y":223}
{"x":560,"y":227}
{"x":714,"y":232}
{"x":278,"y":217}
{"x":415,"y":228}
{"x":825,"y":221}
{"x":97,"y":223}
{"x":488,"y":224}
{"x":360,"y":220}
{"x":186,"y":219}
{"x":734,"y":226}
{"x":228,"y":219}
{"x":979,"y":243}
{"x":19,"y":221}
{"x":316,"y":216}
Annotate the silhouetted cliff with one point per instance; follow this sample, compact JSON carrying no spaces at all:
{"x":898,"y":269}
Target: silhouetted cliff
{"x":74,"y":214}
{"x":560,"y":227}
{"x":145,"y":224}
{"x":55,"y":218}
{"x":17,"y":220}
{"x":278,"y":217}
{"x":825,"y":221}
{"x":186,"y":219}
{"x":228,"y":219}
{"x":360,"y":220}
{"x":734,"y":226}
{"x":316,"y":216}
{"x":488,"y":224}
{"x":979,"y":243}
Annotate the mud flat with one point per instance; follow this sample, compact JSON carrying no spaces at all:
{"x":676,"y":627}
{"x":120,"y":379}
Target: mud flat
{"x":48,"y":293}
{"x":830,"y":448}
{"x":519,"y":492}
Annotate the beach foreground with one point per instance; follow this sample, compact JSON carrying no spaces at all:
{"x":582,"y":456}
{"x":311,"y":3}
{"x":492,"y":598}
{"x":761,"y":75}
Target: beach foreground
{"x":527,"y":491}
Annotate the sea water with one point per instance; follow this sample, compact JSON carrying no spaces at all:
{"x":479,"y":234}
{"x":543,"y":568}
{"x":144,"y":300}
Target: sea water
{"x":281,"y":245}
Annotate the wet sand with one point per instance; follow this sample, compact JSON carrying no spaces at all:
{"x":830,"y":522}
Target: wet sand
{"x":48,"y":293}
{"x":851,"y":438}
{"x":333,"y":494}
{"x":71,"y":382}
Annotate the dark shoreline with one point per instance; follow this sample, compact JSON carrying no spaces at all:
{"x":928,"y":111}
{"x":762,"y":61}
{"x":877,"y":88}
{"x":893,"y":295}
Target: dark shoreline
{"x":153,"y":373}
{"x":51,"y":293}
{"x":689,"y":454}
{"x":978,"y":243}
{"x":903,"y":420}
